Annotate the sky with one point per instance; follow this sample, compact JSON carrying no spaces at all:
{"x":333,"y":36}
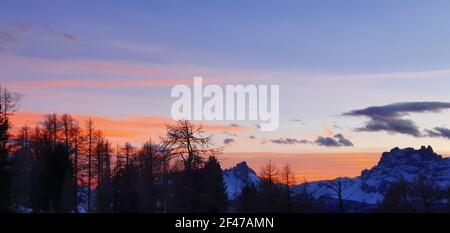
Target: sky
{"x":117,"y":62}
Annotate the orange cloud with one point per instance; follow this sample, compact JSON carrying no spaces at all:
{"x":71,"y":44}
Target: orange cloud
{"x":134,"y":129}
{"x":329,"y":132}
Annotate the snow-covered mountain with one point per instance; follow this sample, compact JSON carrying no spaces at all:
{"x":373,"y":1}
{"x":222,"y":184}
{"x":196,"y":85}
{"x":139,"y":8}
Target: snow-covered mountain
{"x":399,"y":164}
{"x":407,"y":164}
{"x":237,"y":177}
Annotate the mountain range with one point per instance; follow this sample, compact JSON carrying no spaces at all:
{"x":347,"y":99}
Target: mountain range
{"x":370,"y":187}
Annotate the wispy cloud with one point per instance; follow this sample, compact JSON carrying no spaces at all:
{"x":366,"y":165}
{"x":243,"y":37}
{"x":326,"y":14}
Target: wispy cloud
{"x":445,"y":73}
{"x":228,"y":141}
{"x":337,"y":140}
{"x":439,"y":132}
{"x":328,"y":131}
{"x":230,"y":134}
{"x":6,"y":39}
{"x":298,"y":120}
{"x":289,"y":141}
{"x":17,"y":33}
{"x":137,"y":48}
{"x":94,"y":84}
{"x":108,"y":73}
{"x":51,"y":32}
{"x":69,"y":37}
{"x":81,"y":67}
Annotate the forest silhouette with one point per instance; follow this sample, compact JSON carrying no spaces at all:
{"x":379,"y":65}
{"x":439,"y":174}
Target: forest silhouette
{"x":62,"y":165}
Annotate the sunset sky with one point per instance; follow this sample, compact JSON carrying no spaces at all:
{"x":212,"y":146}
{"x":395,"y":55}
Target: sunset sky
{"x":117,"y":62}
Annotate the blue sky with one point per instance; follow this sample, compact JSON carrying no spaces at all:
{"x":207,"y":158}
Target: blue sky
{"x":315,"y":36}
{"x":329,"y":57}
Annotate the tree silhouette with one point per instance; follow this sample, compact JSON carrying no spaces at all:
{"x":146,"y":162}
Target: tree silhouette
{"x":188,"y":143}
{"x":21,"y":168}
{"x":8,"y":102}
{"x":189,"y":146}
{"x":287,"y":178}
{"x":216,"y":200}
{"x":421,"y":195}
{"x":90,"y":137}
{"x":398,"y":198}
{"x":72,"y":141}
{"x":338,"y":187}
{"x":270,"y":193}
{"x":248,"y":199}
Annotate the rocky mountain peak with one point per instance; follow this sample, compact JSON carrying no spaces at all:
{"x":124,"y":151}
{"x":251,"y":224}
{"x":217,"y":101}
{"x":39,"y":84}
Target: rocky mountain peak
{"x":237,"y":177}
{"x":398,"y":157}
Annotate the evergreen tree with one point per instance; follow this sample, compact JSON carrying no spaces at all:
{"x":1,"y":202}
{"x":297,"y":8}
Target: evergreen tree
{"x":305,"y":200}
{"x":216,"y":200}
{"x":270,"y":193}
{"x":58,"y":180}
{"x":248,"y":200}
{"x":147,"y":163}
{"x":397,"y":199}
{"x":5,"y":173}
{"x":21,"y":164}
{"x":8,"y":102}
{"x":104,"y":197}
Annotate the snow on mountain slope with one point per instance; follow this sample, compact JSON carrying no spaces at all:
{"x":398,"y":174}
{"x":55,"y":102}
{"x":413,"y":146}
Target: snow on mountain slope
{"x":407,"y":164}
{"x":351,"y":190}
{"x":237,"y":177}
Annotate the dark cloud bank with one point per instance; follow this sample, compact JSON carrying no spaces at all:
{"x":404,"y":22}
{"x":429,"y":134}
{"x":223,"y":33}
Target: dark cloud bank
{"x":389,"y":118}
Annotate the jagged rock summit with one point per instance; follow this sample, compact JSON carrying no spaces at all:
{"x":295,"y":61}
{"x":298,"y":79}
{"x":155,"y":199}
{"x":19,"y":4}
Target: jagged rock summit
{"x":237,"y":177}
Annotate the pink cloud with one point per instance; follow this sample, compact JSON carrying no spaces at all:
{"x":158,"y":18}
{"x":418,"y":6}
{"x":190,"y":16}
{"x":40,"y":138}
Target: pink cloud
{"x":99,"y":84}
{"x":106,"y":73}
{"x":81,"y":67}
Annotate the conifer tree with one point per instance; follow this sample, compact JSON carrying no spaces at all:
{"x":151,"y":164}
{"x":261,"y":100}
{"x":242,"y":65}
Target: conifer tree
{"x":8,"y":102}
{"x":216,"y":200}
